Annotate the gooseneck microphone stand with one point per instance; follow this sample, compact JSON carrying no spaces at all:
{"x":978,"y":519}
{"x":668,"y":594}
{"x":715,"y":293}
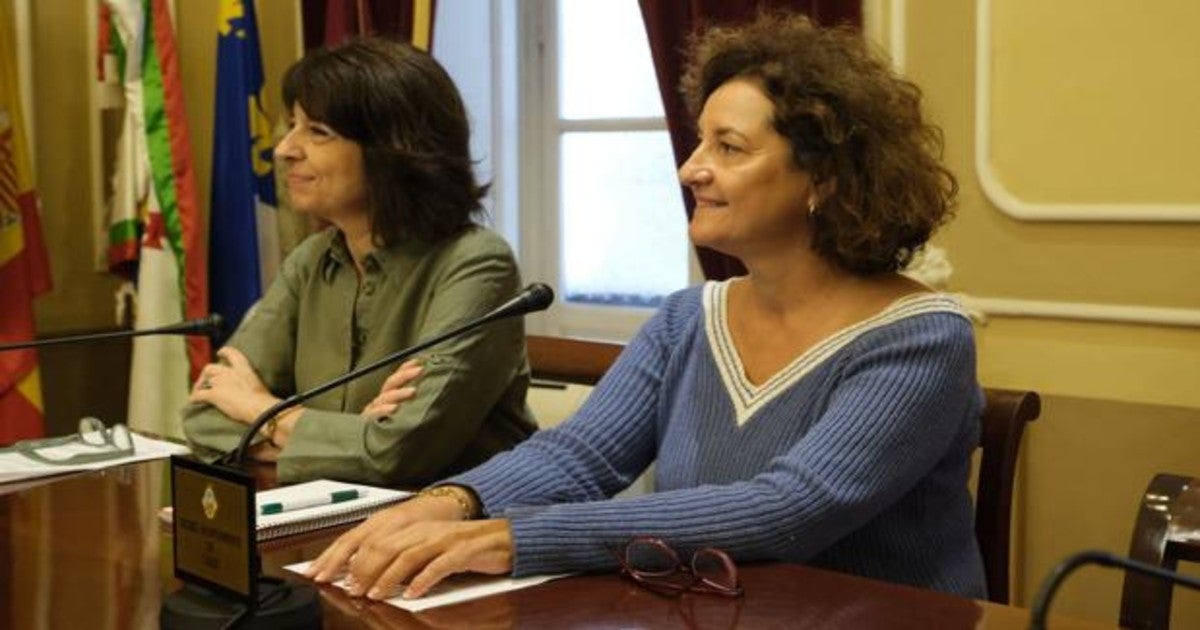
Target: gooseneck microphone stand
{"x":203,"y":326}
{"x":297,"y":604}
{"x":535,"y":297}
{"x":1041,"y":603}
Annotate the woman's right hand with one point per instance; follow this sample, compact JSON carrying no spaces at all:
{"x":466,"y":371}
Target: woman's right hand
{"x":232,"y":386}
{"x":331,"y":564}
{"x":396,"y":389}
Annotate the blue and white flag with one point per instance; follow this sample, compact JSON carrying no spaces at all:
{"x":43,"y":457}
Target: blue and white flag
{"x":243,"y":233}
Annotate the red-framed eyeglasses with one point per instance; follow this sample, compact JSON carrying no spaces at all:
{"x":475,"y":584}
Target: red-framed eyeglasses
{"x":652,"y":563}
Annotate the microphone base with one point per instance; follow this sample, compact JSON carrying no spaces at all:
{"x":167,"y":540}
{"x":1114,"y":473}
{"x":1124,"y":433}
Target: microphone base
{"x":283,"y":605}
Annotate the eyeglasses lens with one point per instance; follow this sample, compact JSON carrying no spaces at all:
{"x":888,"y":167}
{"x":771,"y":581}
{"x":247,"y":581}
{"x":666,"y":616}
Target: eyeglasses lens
{"x":651,"y":558}
{"x":92,"y":432}
{"x":121,"y":438}
{"x":715,"y":568}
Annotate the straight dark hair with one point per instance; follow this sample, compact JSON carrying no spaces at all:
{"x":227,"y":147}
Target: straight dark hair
{"x":403,"y":109}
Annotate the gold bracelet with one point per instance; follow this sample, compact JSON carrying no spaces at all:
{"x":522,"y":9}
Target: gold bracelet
{"x":460,"y":495}
{"x":269,"y":430}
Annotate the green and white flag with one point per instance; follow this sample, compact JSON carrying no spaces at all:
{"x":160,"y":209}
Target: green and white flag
{"x":154,"y":222}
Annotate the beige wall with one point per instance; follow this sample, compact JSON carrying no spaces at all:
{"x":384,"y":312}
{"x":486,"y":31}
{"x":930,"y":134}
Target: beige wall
{"x":60,"y":41}
{"x":1091,"y":102}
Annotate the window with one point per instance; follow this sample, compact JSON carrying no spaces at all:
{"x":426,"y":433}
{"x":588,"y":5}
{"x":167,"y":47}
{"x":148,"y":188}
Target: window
{"x":580,"y":146}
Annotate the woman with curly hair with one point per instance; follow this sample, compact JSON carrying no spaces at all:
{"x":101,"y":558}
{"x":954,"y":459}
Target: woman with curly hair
{"x":821,"y":409}
{"x":378,"y":149}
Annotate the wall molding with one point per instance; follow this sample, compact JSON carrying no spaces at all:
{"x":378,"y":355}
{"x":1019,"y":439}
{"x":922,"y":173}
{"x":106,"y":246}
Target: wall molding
{"x":884,"y":22}
{"x":1083,"y":311}
{"x":1004,"y":198}
{"x":897,"y":33}
{"x":990,"y":306}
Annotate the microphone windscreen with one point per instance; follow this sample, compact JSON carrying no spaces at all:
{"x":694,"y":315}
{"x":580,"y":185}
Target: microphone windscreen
{"x":541,"y":296}
{"x":213,"y":323}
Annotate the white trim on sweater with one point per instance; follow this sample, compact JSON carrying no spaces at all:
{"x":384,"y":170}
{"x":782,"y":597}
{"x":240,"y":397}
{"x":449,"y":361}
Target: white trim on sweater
{"x":748,"y":398}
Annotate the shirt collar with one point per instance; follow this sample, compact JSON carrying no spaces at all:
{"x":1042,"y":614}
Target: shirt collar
{"x":336,"y":254}
{"x":399,"y":258}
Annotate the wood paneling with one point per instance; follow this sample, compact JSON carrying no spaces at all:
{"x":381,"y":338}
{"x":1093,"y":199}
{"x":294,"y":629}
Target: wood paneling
{"x":85,"y":380}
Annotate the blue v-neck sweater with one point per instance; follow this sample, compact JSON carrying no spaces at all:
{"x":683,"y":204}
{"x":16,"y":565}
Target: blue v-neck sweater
{"x":854,"y":458}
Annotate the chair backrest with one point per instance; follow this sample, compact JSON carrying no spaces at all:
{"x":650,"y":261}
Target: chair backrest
{"x":578,"y":362}
{"x":569,"y":359}
{"x":1146,"y":599}
{"x":1003,"y":424}
{"x":1004,"y":420}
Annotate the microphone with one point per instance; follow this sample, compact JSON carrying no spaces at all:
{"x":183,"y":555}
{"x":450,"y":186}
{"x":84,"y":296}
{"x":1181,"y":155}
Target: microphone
{"x":535,"y":297}
{"x":197,"y":489}
{"x":209,"y":326}
{"x":1041,"y":603}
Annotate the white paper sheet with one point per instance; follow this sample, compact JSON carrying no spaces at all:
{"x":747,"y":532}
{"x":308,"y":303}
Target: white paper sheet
{"x":15,"y":466}
{"x":455,"y":589}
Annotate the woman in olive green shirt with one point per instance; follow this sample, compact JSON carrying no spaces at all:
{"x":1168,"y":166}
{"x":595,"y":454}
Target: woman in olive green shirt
{"x":378,"y":148}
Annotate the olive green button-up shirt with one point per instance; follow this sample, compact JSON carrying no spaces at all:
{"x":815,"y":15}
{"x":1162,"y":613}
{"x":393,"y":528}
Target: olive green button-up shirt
{"x":318,"y":321}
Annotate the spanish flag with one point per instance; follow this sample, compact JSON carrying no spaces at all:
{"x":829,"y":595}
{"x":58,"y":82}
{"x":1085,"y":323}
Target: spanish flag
{"x":24,"y":271}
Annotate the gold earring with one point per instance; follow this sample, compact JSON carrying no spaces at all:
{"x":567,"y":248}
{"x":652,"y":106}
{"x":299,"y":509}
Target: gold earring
{"x":812,"y":207}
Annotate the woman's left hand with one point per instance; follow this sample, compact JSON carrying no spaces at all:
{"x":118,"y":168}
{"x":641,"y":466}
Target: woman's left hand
{"x":424,"y":553}
{"x":233,"y":387}
{"x":396,"y":390}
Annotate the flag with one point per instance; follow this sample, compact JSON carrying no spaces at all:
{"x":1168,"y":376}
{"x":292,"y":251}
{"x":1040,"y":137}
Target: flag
{"x":243,"y":229}
{"x":24,"y":270}
{"x":154,"y":215}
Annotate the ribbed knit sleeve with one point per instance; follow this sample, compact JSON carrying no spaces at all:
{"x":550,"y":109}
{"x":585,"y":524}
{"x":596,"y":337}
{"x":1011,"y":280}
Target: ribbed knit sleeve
{"x":891,"y":432}
{"x":606,"y":444}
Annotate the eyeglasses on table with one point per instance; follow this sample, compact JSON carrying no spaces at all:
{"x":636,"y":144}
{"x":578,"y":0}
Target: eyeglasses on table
{"x":93,"y":443}
{"x":654,"y":564}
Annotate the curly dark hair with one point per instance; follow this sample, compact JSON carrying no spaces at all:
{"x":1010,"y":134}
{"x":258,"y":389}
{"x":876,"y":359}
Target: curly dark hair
{"x":850,"y":119}
{"x":405,"y":112}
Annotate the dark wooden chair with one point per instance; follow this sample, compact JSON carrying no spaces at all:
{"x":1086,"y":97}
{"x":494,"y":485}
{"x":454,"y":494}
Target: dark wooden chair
{"x":1163,"y":535}
{"x":583,"y":362}
{"x":1003,"y":426}
{"x":570,"y":359}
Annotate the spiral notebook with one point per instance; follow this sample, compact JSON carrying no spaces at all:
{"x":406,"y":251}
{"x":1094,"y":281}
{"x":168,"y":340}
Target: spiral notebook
{"x":370,"y":500}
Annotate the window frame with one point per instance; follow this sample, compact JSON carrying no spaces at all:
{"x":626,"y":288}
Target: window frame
{"x":539,"y":217}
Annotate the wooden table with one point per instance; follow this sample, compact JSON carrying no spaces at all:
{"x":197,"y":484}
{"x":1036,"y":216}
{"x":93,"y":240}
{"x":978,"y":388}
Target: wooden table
{"x":89,"y":551}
